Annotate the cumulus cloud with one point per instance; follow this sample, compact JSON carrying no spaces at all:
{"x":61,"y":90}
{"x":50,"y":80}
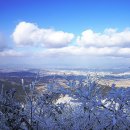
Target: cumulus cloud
{"x":3,"y":43}
{"x":109,"y":38}
{"x":30,"y":34}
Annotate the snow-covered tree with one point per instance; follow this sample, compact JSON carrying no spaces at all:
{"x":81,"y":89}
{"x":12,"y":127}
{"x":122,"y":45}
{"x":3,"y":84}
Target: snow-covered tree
{"x":88,"y":109}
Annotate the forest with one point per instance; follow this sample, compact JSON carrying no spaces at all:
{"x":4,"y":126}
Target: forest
{"x":89,"y":107}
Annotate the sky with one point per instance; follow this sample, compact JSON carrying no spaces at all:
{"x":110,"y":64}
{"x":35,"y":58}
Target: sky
{"x":65,"y":33}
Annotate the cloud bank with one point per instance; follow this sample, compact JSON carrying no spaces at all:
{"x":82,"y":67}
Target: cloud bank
{"x":109,"y":43}
{"x":86,"y":52}
{"x":51,"y":43}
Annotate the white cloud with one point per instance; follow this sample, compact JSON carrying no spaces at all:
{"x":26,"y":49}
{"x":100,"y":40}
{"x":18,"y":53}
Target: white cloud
{"x":11,"y":53}
{"x":30,"y":34}
{"x":70,"y":51}
{"x":109,"y":38}
{"x":85,"y":52}
{"x":108,"y":43}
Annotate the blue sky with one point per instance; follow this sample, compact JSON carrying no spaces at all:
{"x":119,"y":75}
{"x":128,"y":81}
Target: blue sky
{"x":57,"y":33}
{"x":70,"y":15}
